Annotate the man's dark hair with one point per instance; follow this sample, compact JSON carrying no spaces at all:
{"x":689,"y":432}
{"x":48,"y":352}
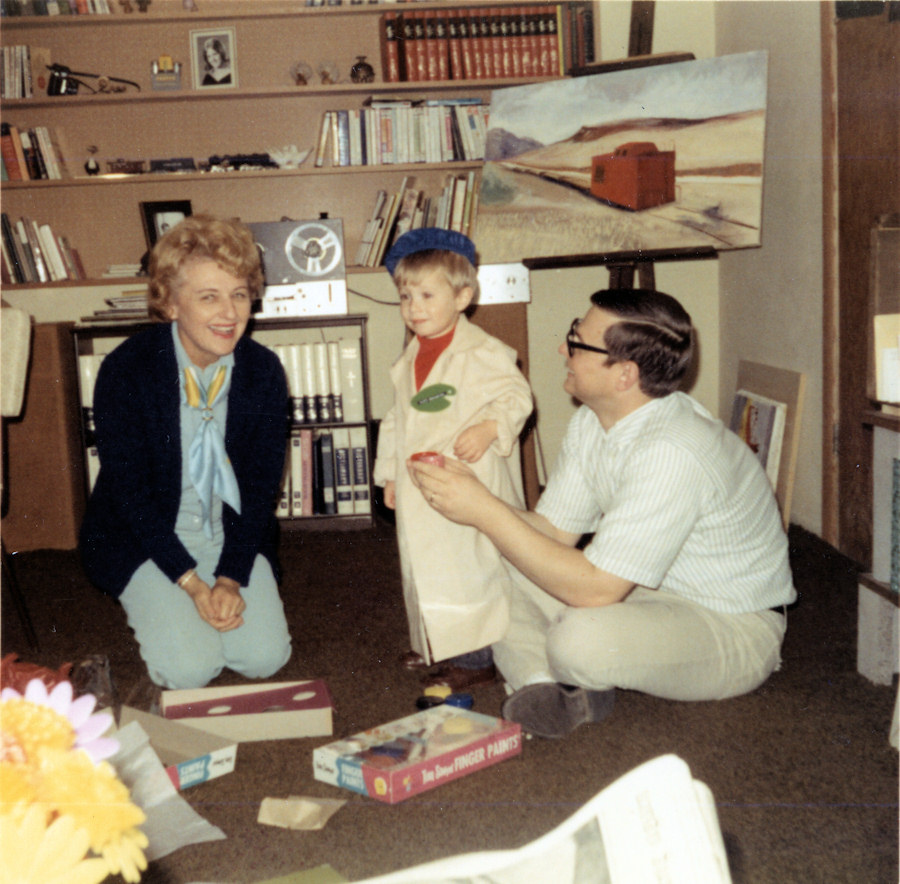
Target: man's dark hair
{"x":654,"y":332}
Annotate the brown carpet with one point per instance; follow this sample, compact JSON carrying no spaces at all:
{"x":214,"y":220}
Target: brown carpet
{"x":804,"y":778}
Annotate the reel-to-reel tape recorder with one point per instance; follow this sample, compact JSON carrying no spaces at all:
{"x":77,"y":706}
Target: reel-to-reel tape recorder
{"x":304,"y":266}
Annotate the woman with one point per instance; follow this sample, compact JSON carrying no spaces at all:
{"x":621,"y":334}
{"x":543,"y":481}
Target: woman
{"x":216,"y":67}
{"x":191,"y":429}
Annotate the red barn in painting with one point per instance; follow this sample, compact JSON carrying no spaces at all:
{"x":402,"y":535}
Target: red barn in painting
{"x":636,"y":175}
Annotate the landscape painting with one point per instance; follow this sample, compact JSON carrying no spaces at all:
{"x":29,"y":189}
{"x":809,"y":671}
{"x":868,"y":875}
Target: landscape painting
{"x":662,"y":158}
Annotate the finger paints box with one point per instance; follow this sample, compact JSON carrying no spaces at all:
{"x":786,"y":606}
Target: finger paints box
{"x":395,"y":761}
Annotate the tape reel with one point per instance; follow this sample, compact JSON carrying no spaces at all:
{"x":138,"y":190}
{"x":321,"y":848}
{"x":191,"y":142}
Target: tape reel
{"x":301,"y":251}
{"x":314,"y":250}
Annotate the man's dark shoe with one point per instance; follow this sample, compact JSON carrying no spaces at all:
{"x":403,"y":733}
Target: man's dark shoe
{"x":459,"y":679}
{"x":553,"y":710}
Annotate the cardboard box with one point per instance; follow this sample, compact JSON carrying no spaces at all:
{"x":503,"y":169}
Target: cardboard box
{"x":395,"y":761}
{"x":190,"y":756}
{"x":246,"y":713}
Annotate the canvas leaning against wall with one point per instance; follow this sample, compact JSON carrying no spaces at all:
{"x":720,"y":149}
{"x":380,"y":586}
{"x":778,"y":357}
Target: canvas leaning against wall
{"x":668,"y":157}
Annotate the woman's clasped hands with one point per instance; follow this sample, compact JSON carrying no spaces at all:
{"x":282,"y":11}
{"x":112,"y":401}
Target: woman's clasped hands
{"x":221,"y":605}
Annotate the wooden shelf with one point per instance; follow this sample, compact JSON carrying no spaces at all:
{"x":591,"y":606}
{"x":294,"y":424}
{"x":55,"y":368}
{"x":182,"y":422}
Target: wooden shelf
{"x":229,"y":177}
{"x":172,"y":11}
{"x":96,"y":100}
{"x":874,"y":418}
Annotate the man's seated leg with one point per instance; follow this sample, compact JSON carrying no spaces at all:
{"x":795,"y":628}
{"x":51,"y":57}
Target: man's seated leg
{"x":521,"y":655}
{"x":665,"y":646}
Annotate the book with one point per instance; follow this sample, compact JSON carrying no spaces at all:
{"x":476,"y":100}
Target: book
{"x":759,"y":421}
{"x":8,"y":151}
{"x":325,"y":502}
{"x":16,"y":142}
{"x":295,"y":457}
{"x":307,"y":478}
{"x":308,"y":373}
{"x":352,"y":380}
{"x":25,"y":252}
{"x":343,"y":472}
{"x":56,"y":263}
{"x":359,"y":465}
{"x":387,"y":230}
{"x":390,"y":58}
{"x":323,"y":383}
{"x":12,"y":249}
{"x":395,"y":761}
{"x":654,"y":824}
{"x":341,"y":135}
{"x":88,"y":366}
{"x":50,"y":152}
{"x":365,"y":244}
{"x":293,"y":369}
{"x":335,"y":395}
{"x":33,"y":162}
{"x":322,"y":143}
{"x":283,"y":503}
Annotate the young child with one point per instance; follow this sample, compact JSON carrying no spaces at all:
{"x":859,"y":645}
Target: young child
{"x":457,"y":392}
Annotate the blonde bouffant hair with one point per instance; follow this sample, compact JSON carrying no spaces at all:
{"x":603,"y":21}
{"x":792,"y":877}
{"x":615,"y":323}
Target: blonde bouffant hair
{"x":227,"y":242}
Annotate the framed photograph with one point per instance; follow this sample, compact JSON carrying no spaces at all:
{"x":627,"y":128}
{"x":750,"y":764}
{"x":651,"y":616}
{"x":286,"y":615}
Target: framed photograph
{"x":160,"y":216}
{"x":214,"y":58}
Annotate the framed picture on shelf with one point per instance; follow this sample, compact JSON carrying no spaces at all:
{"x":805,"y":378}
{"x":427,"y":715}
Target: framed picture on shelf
{"x":214,"y":58}
{"x":160,"y":216}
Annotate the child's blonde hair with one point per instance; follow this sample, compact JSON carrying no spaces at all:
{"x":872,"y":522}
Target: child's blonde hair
{"x":457,"y":269}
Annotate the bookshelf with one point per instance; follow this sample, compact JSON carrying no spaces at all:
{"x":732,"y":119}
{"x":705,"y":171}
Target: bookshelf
{"x":267,"y":112}
{"x":304,"y":503}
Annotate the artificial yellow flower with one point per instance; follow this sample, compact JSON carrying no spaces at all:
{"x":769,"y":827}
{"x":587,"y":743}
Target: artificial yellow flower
{"x":92,"y":794}
{"x":43,"y":854}
{"x":65,"y":817}
{"x":27,"y":726}
{"x":16,"y":786}
{"x":126,"y":856}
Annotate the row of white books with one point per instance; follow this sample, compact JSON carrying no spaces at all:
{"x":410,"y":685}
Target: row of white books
{"x":454,"y":208}
{"x":325,"y":380}
{"x":327,"y":473}
{"x":442,"y":131}
{"x":327,"y":468}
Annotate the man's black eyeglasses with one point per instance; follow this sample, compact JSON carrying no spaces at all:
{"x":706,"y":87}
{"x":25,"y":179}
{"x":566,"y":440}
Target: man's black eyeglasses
{"x":573,"y":344}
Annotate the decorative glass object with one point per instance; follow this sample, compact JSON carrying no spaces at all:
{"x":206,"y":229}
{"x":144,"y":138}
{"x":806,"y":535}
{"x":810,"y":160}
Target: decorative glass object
{"x":362,"y":71}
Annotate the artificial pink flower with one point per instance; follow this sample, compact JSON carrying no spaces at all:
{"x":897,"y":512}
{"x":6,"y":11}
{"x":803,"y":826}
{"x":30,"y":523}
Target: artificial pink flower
{"x":89,"y":729}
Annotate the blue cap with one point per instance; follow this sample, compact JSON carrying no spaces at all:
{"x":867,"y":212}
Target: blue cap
{"x":423,"y":239}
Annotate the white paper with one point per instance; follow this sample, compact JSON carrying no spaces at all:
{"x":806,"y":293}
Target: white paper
{"x":171,"y":822}
{"x":654,"y":824}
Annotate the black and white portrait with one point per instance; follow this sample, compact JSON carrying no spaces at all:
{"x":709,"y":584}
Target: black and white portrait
{"x":214,"y":58}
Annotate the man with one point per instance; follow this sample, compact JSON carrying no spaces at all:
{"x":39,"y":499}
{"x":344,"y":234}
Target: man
{"x":680,"y":591}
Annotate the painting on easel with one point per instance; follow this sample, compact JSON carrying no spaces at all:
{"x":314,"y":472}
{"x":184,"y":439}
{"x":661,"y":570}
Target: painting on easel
{"x":664,"y":158}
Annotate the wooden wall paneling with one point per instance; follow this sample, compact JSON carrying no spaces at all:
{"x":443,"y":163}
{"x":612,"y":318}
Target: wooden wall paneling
{"x":45,"y":476}
{"x":868,"y":70}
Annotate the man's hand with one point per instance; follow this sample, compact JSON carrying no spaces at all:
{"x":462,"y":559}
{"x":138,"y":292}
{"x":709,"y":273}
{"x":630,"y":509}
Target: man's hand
{"x":472,"y":442}
{"x":453,"y":490}
{"x":390,"y":494}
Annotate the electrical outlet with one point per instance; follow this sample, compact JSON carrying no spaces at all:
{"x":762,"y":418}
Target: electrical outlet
{"x":504,"y":284}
